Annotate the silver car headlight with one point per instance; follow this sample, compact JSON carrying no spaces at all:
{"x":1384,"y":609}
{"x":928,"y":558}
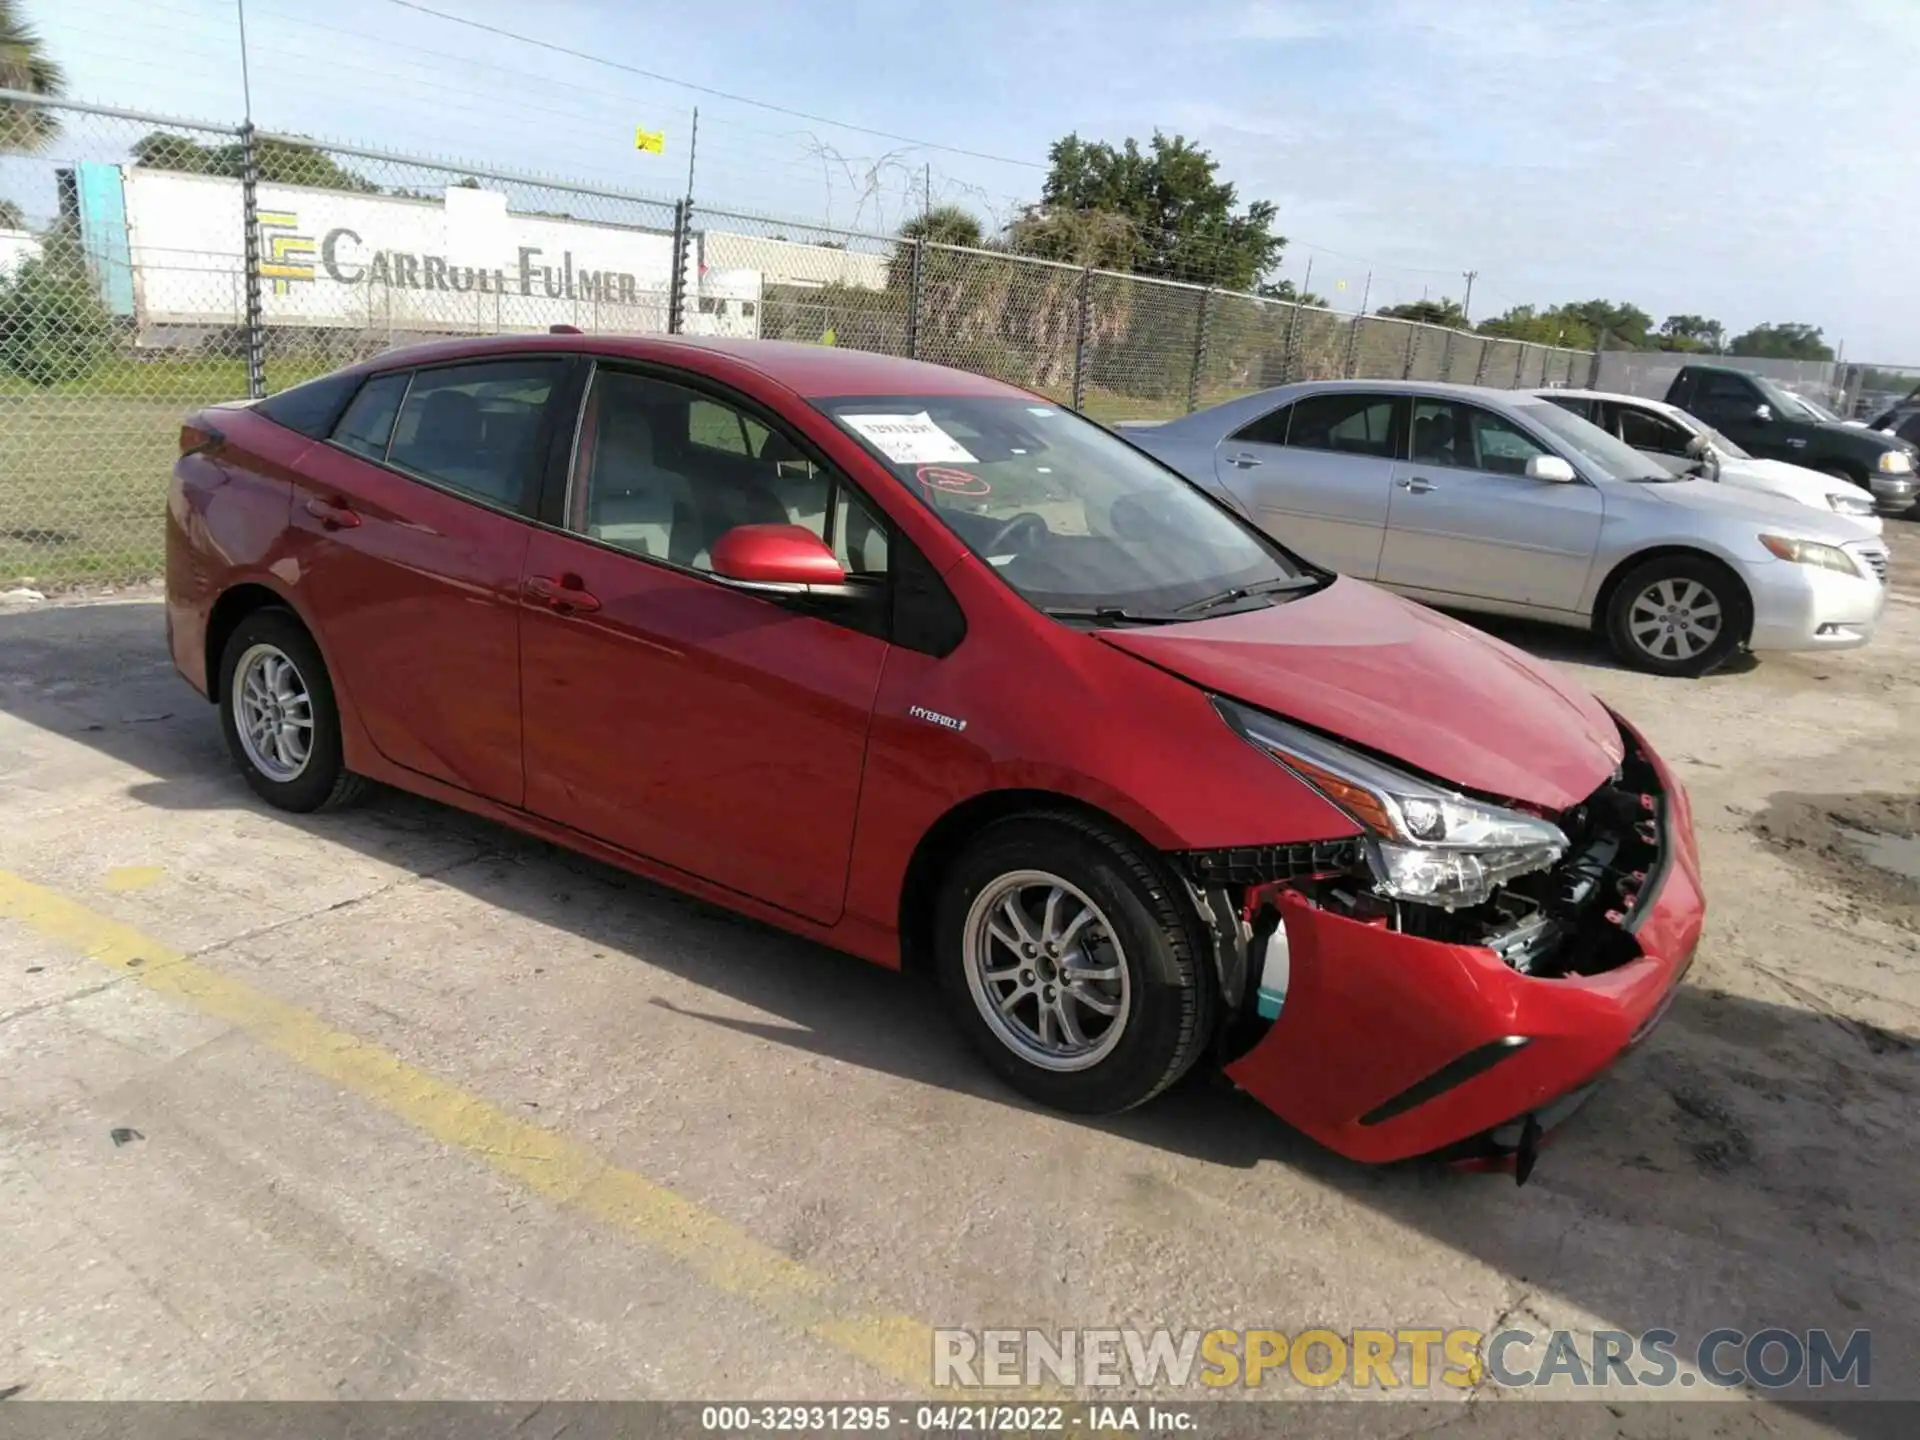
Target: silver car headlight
{"x":1895,"y":462}
{"x":1850,"y":504}
{"x":1424,"y":843}
{"x":1811,"y":552}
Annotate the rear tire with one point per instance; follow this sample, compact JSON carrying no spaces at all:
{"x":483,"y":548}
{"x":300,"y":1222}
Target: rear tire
{"x":1679,"y":615}
{"x":1109,"y":1003}
{"x":279,"y":716}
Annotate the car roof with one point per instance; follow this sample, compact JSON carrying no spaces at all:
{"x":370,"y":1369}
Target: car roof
{"x":1647,"y":400}
{"x":811,"y":370}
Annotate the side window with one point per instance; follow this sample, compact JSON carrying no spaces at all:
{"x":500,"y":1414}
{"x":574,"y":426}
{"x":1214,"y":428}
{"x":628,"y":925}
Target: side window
{"x":664,"y":471}
{"x":1269,"y":429}
{"x":1728,"y":390}
{"x":1575,"y":404}
{"x":1465,"y":437}
{"x":1349,"y":422}
{"x":1645,"y":430}
{"x":476,"y":428}
{"x":368,"y":423}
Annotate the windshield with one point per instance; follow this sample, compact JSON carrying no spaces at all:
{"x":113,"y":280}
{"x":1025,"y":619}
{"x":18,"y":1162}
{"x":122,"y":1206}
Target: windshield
{"x":1612,"y":457}
{"x":1725,"y":446}
{"x":1789,"y":404}
{"x":1068,"y":515}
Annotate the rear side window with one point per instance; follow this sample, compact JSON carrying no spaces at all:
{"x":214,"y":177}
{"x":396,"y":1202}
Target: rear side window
{"x":1573,"y":404}
{"x":1646,"y":431}
{"x":368,"y":423}
{"x":311,"y":408}
{"x":1352,"y":423}
{"x":1269,"y":429}
{"x":1729,"y":388}
{"x":476,"y":428}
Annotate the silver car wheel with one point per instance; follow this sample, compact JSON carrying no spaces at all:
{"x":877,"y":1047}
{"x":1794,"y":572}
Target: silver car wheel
{"x":273,"y":713}
{"x":1046,"y":971}
{"x":1675,"y":619}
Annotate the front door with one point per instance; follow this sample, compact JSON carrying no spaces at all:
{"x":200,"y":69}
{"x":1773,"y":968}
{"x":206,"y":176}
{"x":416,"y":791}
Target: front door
{"x":717,"y":731}
{"x":412,"y":539}
{"x":1315,"y":475}
{"x":1465,"y":519}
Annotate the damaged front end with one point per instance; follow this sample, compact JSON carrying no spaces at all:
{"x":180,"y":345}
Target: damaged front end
{"x":1397,"y":1007}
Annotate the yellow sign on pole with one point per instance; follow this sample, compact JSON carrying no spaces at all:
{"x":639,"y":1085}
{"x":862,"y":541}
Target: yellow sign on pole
{"x":654,"y":142}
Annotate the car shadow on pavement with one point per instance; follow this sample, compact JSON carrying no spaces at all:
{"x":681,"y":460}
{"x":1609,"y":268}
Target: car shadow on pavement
{"x":1750,"y":1166}
{"x":1572,"y":647}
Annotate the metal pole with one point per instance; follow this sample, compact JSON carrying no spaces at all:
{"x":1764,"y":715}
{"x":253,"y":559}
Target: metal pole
{"x":1466,"y":305}
{"x":693,"y":146}
{"x":926,"y":207}
{"x":915,"y":279}
{"x":250,"y":220}
{"x":677,"y":283}
{"x":1480,"y":366}
{"x":1353,"y":335}
{"x":1413,"y":339}
{"x":1291,"y":353}
{"x":1083,"y":332}
{"x":1520,"y":365}
{"x":1446,"y":360}
{"x":1199,"y":353}
{"x":246,"y":80}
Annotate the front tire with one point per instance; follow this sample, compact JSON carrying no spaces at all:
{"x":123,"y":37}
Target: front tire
{"x":279,"y":716}
{"x":1069,"y":962}
{"x":1679,"y":615}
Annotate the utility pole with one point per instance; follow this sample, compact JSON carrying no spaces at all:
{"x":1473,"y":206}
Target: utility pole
{"x":693,"y":144}
{"x":1466,"y":305}
{"x":926,"y":192}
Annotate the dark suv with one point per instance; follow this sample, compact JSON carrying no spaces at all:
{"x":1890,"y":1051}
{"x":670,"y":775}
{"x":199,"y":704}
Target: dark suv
{"x":1759,"y":415}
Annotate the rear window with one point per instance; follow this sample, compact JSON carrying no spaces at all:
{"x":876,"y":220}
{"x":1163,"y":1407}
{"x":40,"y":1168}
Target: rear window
{"x":312,"y":408}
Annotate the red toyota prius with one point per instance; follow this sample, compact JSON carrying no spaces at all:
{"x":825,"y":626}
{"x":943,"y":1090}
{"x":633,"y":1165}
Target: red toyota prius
{"x":930,"y":669}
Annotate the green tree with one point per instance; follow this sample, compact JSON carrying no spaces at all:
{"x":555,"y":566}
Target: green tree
{"x":280,"y":162}
{"x":1782,"y":342}
{"x":1694,"y":333}
{"x":53,"y":327}
{"x":1429,"y":312}
{"x":1625,"y":326}
{"x":1288,"y":291}
{"x":12,"y":217}
{"x":1558,"y":325}
{"x":26,"y":66}
{"x":1158,"y":211}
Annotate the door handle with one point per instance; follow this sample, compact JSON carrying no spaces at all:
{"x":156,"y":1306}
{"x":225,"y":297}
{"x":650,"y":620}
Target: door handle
{"x":332,"y":514}
{"x":566,"y":595}
{"x":1244,"y":462}
{"x":1415,"y":484}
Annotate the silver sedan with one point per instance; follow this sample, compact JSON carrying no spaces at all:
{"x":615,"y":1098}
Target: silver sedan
{"x":1503,"y":502}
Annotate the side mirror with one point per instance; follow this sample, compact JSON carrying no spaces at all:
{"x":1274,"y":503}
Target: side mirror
{"x":1763,"y":413}
{"x":780,"y":559}
{"x":1699,"y":447}
{"x":1550,"y":468}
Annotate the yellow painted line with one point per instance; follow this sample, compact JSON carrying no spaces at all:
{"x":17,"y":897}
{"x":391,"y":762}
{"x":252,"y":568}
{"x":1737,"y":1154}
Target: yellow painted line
{"x":132,"y":877}
{"x":562,"y":1170}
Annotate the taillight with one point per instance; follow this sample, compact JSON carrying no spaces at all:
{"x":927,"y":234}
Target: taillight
{"x":199,"y":439}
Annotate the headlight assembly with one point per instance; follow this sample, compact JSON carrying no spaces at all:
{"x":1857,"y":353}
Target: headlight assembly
{"x":1811,"y":552}
{"x":1850,"y":504}
{"x":1425,"y":843}
{"x":1895,"y":462}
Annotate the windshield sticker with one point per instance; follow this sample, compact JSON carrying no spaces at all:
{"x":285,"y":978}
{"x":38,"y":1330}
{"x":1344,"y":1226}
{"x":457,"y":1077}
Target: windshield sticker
{"x":954,"y":482}
{"x":910,"y":439}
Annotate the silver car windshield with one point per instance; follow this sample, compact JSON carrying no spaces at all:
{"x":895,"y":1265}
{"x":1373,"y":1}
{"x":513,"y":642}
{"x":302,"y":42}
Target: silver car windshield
{"x":1607,"y":454}
{"x":1070,"y":516}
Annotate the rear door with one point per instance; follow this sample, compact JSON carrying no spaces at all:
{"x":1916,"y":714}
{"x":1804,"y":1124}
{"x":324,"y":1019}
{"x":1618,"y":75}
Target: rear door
{"x":413,"y":524}
{"x":1465,"y":519}
{"x":1315,"y":474}
{"x":668,"y":711}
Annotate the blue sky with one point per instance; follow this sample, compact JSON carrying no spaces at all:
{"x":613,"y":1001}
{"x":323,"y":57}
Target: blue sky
{"x":1750,"y":161}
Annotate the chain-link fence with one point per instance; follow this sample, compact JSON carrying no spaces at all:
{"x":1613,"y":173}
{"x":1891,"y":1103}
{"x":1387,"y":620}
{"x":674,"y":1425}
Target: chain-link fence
{"x":149,"y":266}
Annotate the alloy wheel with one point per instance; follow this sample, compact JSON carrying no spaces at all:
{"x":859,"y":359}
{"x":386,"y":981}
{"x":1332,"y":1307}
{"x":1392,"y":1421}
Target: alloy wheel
{"x":1675,"y":619}
{"x":273,"y":713}
{"x":1046,"y":970}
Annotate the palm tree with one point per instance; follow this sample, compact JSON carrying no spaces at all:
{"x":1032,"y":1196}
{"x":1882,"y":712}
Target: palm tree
{"x":25,"y":65}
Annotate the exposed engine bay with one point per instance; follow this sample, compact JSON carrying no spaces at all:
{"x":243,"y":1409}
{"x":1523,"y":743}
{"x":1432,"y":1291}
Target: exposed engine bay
{"x":1575,"y":917}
